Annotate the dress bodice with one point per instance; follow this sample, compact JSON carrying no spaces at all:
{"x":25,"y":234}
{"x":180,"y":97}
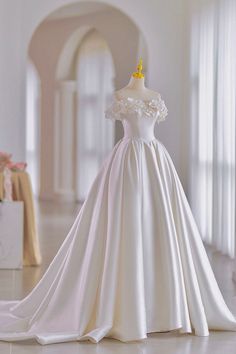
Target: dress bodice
{"x":138,"y":116}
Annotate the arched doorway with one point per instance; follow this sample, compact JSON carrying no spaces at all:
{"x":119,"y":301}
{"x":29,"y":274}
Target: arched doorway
{"x":57,"y":175}
{"x":82,"y":136}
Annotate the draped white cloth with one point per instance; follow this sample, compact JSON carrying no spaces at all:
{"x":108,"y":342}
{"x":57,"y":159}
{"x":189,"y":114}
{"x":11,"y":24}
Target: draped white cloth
{"x":133,"y":261}
{"x":213,"y":123}
{"x":95,"y":73}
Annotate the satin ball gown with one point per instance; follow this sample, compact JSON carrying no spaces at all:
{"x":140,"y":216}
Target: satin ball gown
{"x":133,"y":261}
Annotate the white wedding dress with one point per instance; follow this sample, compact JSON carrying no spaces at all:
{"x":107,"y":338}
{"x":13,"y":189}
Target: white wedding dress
{"x":133,"y":261}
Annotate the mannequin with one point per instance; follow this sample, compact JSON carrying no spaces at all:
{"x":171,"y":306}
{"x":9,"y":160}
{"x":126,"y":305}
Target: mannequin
{"x":136,"y":87}
{"x":136,"y":90}
{"x":133,"y":262}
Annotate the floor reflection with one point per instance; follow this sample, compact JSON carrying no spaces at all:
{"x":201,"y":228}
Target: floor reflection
{"x":54,"y":223}
{"x":166,"y":343}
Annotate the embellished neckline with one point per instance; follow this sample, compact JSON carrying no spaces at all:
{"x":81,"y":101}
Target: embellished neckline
{"x":123,"y":107}
{"x":132,"y":99}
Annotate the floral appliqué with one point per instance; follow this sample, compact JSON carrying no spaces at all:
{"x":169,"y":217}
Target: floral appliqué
{"x":119,"y":109}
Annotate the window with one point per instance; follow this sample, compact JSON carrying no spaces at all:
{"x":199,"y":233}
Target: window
{"x":95,"y":86}
{"x":213,"y":123}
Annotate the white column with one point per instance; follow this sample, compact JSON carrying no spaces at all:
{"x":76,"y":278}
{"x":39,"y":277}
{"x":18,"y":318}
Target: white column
{"x":64,"y":157}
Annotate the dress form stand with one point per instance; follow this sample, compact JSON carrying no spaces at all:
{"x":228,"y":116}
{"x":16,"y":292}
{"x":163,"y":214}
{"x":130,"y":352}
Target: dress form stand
{"x":136,"y":87}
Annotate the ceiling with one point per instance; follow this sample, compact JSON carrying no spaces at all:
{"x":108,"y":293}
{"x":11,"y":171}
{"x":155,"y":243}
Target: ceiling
{"x":78,"y":9}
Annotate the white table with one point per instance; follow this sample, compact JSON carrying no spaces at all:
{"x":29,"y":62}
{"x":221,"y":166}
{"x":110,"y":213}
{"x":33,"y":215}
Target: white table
{"x":11,"y":235}
{"x":22,"y":191}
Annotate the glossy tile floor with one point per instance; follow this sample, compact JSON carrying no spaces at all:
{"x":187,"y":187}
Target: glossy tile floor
{"x":54,"y":221}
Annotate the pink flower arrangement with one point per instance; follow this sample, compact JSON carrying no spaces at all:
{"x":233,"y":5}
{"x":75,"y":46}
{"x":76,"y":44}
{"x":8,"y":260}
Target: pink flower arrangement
{"x":6,"y":162}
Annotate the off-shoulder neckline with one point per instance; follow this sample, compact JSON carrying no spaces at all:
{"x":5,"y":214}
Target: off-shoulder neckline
{"x":128,"y":98}
{"x":148,"y":107}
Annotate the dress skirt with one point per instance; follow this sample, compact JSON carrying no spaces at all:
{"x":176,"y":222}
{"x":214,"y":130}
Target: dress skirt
{"x":132,"y":263}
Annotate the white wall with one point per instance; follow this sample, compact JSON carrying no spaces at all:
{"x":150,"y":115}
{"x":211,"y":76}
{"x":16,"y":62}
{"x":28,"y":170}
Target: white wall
{"x":163,"y":24}
{"x":12,"y":80}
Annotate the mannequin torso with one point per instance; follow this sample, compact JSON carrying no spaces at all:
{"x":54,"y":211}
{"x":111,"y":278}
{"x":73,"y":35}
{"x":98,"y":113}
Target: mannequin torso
{"x":136,"y":89}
